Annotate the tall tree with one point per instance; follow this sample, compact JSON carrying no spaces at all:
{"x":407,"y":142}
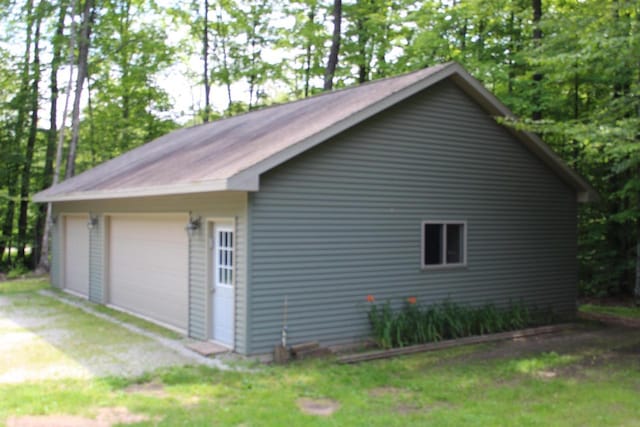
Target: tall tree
{"x":44,"y":211}
{"x":25,"y":178}
{"x":224,"y":45}
{"x":537,"y":76}
{"x":205,"y":60}
{"x":332,"y":61}
{"x":88,"y":16}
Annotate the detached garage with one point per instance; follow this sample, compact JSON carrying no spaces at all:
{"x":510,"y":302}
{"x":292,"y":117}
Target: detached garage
{"x":402,"y":187}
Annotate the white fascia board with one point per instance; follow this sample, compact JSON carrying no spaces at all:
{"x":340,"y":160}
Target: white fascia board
{"x":165,"y":190}
{"x":239,"y":182}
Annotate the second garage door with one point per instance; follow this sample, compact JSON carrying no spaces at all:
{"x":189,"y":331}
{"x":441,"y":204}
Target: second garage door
{"x":148,"y":274}
{"x":76,"y":254}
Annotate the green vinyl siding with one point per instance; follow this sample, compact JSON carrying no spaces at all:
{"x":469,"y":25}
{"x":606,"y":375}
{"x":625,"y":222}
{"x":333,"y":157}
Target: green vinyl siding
{"x":96,"y":261}
{"x":55,"y":268}
{"x":343,"y":221}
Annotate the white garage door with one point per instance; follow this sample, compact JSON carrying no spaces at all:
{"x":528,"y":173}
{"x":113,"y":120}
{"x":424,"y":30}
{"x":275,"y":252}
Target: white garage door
{"x":76,"y":254}
{"x":148,"y":272}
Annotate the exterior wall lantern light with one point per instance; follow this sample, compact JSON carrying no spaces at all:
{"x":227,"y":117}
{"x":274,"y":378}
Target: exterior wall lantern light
{"x":93,"y":222}
{"x":193,"y":225}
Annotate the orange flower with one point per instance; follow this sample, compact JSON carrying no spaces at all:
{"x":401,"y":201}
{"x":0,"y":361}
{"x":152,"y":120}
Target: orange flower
{"x":412,"y":300}
{"x":370,"y":298}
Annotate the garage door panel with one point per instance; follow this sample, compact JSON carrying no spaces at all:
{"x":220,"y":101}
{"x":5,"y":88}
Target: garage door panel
{"x":149,"y":267}
{"x":76,"y":254}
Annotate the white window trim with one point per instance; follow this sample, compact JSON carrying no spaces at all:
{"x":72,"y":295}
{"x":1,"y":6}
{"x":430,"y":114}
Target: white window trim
{"x":444,"y":264}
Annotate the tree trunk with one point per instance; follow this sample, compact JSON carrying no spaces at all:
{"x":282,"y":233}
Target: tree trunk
{"x":332,"y":62}
{"x":363,"y":39}
{"x":205,"y":57}
{"x":124,"y":58}
{"x":537,"y":77}
{"x":225,"y":59}
{"x":42,"y":225}
{"x":83,"y":58}
{"x":44,"y":257}
{"x":25,"y":178}
{"x":307,"y":68}
{"x":255,"y":56}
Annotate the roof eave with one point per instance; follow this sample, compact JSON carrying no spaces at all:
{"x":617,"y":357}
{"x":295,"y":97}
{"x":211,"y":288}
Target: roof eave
{"x":232,"y":184}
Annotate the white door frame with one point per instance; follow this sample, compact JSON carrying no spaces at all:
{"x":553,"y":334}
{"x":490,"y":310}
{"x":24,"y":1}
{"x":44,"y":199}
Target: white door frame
{"x":210,"y":248}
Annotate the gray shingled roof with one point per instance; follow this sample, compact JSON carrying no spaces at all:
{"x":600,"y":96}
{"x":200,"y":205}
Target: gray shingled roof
{"x":230,"y":154}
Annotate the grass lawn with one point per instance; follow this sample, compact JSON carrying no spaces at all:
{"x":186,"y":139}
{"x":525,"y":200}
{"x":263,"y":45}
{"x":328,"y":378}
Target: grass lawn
{"x":612,"y":310}
{"x":22,"y":286}
{"x":591,"y":376}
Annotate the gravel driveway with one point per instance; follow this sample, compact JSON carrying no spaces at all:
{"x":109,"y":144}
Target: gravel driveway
{"x":43,"y":336}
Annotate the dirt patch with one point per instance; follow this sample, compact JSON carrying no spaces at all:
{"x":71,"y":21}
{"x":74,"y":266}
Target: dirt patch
{"x":584,"y":367}
{"x":51,"y":421}
{"x":611,"y":319}
{"x":322,"y":407}
{"x":148,"y":389}
{"x":546,"y":375}
{"x":106,"y":417}
{"x":583,"y":338}
{"x":119,"y":415}
{"x":385,"y":391}
{"x":632,"y":349}
{"x":409,"y":408}
{"x":190,"y":401}
{"x":414,"y":408}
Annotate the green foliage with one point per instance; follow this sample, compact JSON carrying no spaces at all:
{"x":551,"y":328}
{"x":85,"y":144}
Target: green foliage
{"x":17,"y":270}
{"x":128,"y":105}
{"x":414,"y":324}
{"x":22,"y":286}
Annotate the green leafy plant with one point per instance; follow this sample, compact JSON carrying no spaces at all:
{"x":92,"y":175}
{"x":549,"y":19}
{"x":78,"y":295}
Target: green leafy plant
{"x":415,"y":324}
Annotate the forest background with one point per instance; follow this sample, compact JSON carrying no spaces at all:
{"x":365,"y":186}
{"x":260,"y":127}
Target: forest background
{"x":83,"y":81}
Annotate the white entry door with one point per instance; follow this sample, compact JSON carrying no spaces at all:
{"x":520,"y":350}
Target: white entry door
{"x":223,"y":282}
